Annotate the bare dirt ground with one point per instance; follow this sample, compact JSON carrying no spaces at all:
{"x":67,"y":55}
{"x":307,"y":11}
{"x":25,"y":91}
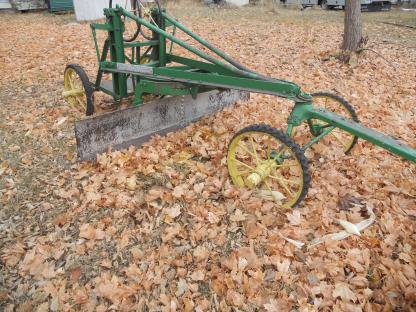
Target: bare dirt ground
{"x":162,"y":228}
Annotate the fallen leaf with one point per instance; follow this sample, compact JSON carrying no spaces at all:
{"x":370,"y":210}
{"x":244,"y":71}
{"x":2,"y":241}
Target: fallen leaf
{"x":344,"y":292}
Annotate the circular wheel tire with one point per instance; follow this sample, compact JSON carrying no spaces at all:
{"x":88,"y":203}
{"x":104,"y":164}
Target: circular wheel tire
{"x":324,"y":5}
{"x":264,"y":158}
{"x":338,"y":105}
{"x":131,"y":27}
{"x":78,"y":90}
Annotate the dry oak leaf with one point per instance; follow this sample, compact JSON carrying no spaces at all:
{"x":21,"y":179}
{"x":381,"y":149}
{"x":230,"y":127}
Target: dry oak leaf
{"x":80,"y":296}
{"x":75,"y":274}
{"x":89,"y":232}
{"x":276,"y":306}
{"x":199,"y":187}
{"x":344,"y":292}
{"x":201,"y":253}
{"x":294,"y":217}
{"x":198,"y":275}
{"x":9,"y":183}
{"x":131,"y":183}
{"x":179,"y":191}
{"x":182,"y":287}
{"x":113,"y":290}
{"x":213,"y":218}
{"x":173,"y":211}
{"x":248,"y":253}
{"x":154,"y":193}
{"x":171,"y":232}
{"x":235,"y":298}
{"x":238,"y":216}
{"x":253,"y":229}
{"x":359,"y":281}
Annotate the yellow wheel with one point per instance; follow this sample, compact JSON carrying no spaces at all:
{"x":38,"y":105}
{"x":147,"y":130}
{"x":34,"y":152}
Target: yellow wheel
{"x":336,"y":104}
{"x":267,"y":160}
{"x":145,"y":60}
{"x":337,"y":142}
{"x":78,"y":91}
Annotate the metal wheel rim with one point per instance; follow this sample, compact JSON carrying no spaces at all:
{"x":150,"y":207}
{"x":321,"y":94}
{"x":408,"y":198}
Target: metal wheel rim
{"x":73,"y":83}
{"x":278,"y":181}
{"x":336,"y":133}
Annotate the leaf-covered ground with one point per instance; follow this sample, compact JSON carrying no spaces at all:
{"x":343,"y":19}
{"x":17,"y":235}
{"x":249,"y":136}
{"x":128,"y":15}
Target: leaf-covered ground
{"x":162,"y":228}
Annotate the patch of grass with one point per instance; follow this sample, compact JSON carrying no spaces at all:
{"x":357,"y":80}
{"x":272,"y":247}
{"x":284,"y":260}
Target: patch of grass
{"x":393,"y":16}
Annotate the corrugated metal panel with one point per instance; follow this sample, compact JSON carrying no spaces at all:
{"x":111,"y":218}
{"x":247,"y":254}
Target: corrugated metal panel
{"x":61,"y":5}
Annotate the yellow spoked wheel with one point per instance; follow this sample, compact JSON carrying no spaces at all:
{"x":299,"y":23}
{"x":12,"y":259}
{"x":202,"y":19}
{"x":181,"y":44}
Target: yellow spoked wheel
{"x":340,"y":106}
{"x":78,"y":91}
{"x":133,"y":29}
{"x":145,"y":60}
{"x":267,"y":160}
{"x":337,"y":140}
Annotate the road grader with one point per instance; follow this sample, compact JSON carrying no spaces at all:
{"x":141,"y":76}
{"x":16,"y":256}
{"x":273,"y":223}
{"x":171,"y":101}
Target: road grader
{"x":137,"y":54}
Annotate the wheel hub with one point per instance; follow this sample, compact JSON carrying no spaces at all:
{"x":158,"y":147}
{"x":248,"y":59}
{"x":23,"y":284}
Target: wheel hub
{"x":262,"y":171}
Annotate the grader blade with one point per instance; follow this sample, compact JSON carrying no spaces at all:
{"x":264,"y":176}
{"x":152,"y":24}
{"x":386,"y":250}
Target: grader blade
{"x":136,"y":125}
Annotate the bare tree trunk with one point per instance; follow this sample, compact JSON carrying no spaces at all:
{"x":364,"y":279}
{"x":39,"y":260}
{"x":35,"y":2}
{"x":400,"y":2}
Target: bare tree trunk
{"x":352,"y":25}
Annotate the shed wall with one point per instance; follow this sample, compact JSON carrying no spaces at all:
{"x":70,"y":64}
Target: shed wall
{"x":92,"y":9}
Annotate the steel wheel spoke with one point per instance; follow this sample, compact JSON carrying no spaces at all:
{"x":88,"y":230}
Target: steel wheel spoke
{"x":254,"y":150}
{"x":284,"y":180}
{"x":269,"y":147}
{"x":345,"y":145}
{"x":286,"y":166}
{"x":81,"y":104}
{"x":71,"y":83}
{"x":240,"y":173}
{"x":282,"y":184}
{"x":245,"y":165}
{"x":248,"y":151}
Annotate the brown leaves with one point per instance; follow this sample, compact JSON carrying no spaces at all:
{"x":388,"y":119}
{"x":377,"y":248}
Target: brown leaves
{"x":89,"y":232}
{"x":201,"y":253}
{"x":113,"y":290}
{"x":344,"y":292}
{"x":238,"y":216}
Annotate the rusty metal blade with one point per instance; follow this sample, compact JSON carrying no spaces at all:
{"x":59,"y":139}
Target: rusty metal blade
{"x":136,"y":125}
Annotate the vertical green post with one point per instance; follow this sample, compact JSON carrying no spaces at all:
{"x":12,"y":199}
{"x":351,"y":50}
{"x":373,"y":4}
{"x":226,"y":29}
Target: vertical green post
{"x":117,"y":53}
{"x":162,"y":41}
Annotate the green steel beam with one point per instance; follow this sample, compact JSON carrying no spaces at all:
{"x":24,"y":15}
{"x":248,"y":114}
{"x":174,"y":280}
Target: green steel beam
{"x":141,"y":43}
{"x":208,"y":79}
{"x":212,"y":48}
{"x":362,"y":132}
{"x":200,"y":65}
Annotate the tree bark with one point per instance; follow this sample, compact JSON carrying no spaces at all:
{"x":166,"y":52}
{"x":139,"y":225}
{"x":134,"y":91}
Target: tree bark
{"x":352,"y":26}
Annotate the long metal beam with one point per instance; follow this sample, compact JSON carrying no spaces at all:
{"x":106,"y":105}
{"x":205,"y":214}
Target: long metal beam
{"x":365,"y":133}
{"x":210,"y":79}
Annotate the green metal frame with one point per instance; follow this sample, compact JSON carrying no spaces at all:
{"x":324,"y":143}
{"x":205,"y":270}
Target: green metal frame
{"x":170,"y":74}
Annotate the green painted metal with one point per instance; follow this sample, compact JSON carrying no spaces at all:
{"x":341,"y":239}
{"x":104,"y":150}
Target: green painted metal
{"x":317,"y":138}
{"x":60,"y":5}
{"x":362,"y":132}
{"x":305,"y":111}
{"x":207,"y":79}
{"x":191,"y":76}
